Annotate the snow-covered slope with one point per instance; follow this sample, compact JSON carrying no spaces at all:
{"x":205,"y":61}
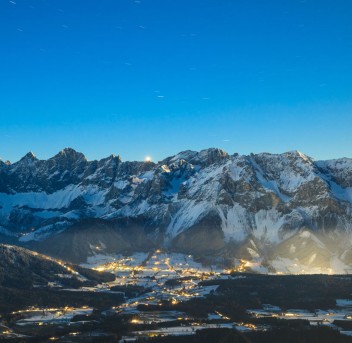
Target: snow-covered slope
{"x":206,"y":202}
{"x":22,"y":268}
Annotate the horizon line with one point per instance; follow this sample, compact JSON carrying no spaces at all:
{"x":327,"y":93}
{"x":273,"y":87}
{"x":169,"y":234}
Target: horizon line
{"x":33,"y":155}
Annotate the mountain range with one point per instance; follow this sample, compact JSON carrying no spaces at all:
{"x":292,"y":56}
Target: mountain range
{"x":268,"y":212}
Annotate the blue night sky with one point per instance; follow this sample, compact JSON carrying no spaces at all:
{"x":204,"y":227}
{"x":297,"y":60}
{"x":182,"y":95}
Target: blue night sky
{"x":154,"y":77}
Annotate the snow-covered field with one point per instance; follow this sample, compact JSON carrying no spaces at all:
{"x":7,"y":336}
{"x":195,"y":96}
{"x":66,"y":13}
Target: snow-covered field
{"x":318,"y":317}
{"x":38,"y":316}
{"x":153,"y":271}
{"x":149,"y":279}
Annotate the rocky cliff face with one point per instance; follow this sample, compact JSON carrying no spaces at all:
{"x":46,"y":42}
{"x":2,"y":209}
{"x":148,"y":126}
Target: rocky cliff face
{"x":261,"y":207}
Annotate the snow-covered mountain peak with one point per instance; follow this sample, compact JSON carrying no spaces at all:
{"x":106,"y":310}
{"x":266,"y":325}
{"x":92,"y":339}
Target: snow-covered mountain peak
{"x":70,"y":155}
{"x":204,"y":157}
{"x":212,"y":155}
{"x":192,"y":200}
{"x":114,"y":157}
{"x":29,"y":157}
{"x":4,"y":163}
{"x":298,"y":154}
{"x":186,"y":155}
{"x":25,"y":165}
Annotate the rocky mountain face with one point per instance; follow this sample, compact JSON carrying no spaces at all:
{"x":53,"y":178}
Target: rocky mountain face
{"x":281,"y":212}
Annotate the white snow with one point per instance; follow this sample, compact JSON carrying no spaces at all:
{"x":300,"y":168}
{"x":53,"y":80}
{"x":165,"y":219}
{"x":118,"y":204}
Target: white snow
{"x":268,"y":224}
{"x":341,"y":193}
{"x":237,"y":172}
{"x":44,"y":232}
{"x":234,"y":223}
{"x":149,"y":175}
{"x":290,"y":170}
{"x":187,"y":155}
{"x":187,"y":216}
{"x":57,"y":200}
{"x":52,"y":315}
{"x":344,"y":302}
{"x":121,"y":184}
{"x":175,"y":187}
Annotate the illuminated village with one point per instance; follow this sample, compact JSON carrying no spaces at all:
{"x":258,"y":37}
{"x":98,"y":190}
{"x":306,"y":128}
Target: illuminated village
{"x":152,"y":287}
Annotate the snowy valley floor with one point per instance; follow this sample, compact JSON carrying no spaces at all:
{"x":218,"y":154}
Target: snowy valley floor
{"x":168,"y":297}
